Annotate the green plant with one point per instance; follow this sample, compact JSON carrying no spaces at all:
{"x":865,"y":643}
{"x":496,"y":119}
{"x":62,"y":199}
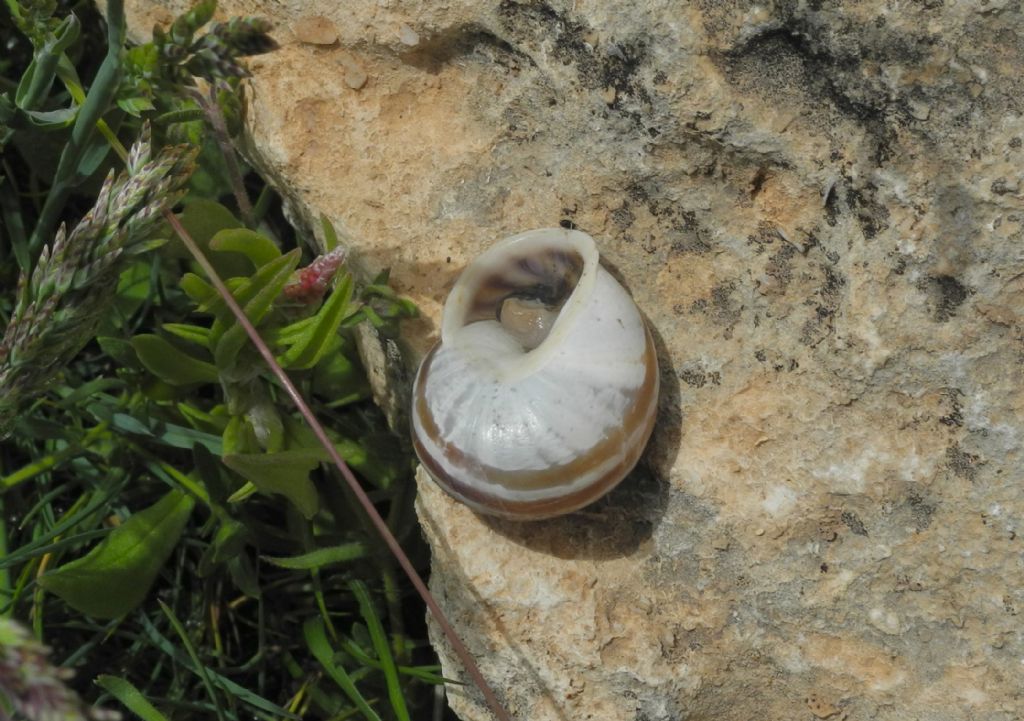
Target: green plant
{"x":150,"y":448}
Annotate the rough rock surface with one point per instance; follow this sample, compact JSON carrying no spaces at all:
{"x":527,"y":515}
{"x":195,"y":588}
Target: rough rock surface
{"x":819,"y":205}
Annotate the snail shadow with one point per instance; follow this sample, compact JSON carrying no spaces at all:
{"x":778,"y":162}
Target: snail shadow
{"x":620,"y":523}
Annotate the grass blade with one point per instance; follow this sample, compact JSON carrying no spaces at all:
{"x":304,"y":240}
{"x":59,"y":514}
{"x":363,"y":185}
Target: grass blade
{"x":187,"y":643}
{"x":225,"y":684}
{"x":316,"y":639}
{"x":68,"y":542}
{"x":427,"y":674}
{"x":13,"y":223}
{"x":130,"y":697}
{"x":380,"y":645}
{"x":100,"y":500}
{"x":321,"y":557}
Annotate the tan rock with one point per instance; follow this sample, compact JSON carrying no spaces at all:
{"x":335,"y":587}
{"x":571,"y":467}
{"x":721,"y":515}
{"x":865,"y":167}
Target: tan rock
{"x":817,"y":205}
{"x":315,"y":30}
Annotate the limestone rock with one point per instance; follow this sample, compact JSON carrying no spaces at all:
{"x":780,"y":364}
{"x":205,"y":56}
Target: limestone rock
{"x":819,"y":206}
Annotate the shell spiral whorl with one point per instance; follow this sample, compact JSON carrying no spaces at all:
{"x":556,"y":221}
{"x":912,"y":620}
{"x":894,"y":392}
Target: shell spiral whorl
{"x":542,"y":392}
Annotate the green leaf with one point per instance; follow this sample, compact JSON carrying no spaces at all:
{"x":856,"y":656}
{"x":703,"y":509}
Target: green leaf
{"x":321,"y":557}
{"x":290,"y":333}
{"x":135,"y":106}
{"x":262,"y":414}
{"x":256,"y":247}
{"x":238,"y":436}
{"x":245,"y":491}
{"x":130,"y":697}
{"x":94,"y":152}
{"x":386,"y":463}
{"x":244,"y":575}
{"x":88,"y":390}
{"x":170,"y":364}
{"x":228,"y":542}
{"x":200,"y":14}
{"x":68,"y":75}
{"x":192,"y":333}
{"x":115,"y":576}
{"x":213,"y":421}
{"x":375,"y":456}
{"x":203,"y":219}
{"x":427,"y":674}
{"x":145,"y":246}
{"x":168,"y":434}
{"x":330,"y":235}
{"x":212,"y":176}
{"x":81,"y":514}
{"x":317,"y":337}
{"x":119,"y":349}
{"x":231,"y":106}
{"x":285,"y":473}
{"x":143,"y":59}
{"x":211,"y":473}
{"x":256,"y":300}
{"x":11,"y":216}
{"x":132,"y":288}
{"x":197,"y":289}
{"x":38,"y":77}
{"x":341,"y":379}
{"x":52,"y":119}
{"x":316,"y":639}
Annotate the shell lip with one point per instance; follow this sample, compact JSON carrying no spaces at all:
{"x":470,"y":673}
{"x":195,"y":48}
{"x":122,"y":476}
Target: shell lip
{"x":487,"y":264}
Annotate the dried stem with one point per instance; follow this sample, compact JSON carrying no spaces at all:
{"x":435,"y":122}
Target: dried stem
{"x":219,"y":128}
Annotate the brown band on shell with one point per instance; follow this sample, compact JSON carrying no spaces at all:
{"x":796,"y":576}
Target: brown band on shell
{"x":549,"y":268}
{"x":641,"y":416}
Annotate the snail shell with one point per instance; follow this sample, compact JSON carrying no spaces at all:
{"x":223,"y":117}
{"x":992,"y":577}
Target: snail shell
{"x":542,"y":392}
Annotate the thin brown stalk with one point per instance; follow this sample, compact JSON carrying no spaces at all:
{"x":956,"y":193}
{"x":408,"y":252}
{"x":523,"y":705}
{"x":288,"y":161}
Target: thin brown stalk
{"x":318,"y":430}
{"x":219,"y":129}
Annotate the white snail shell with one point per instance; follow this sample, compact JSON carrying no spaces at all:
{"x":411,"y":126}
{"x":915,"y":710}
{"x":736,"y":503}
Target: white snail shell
{"x":542,"y":392}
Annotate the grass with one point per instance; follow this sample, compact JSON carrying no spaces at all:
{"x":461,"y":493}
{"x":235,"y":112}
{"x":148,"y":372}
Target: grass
{"x":168,"y":525}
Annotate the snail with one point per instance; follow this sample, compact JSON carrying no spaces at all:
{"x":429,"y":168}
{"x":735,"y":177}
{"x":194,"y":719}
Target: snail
{"x":541,"y":393}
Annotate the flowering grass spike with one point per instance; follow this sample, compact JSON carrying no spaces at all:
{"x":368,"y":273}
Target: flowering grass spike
{"x":61,"y":303}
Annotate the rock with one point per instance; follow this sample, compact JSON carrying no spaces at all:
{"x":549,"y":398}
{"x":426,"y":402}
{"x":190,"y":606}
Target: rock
{"x":407,"y":35}
{"x":315,"y":30}
{"x":355,"y":76}
{"x":817,"y":205}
